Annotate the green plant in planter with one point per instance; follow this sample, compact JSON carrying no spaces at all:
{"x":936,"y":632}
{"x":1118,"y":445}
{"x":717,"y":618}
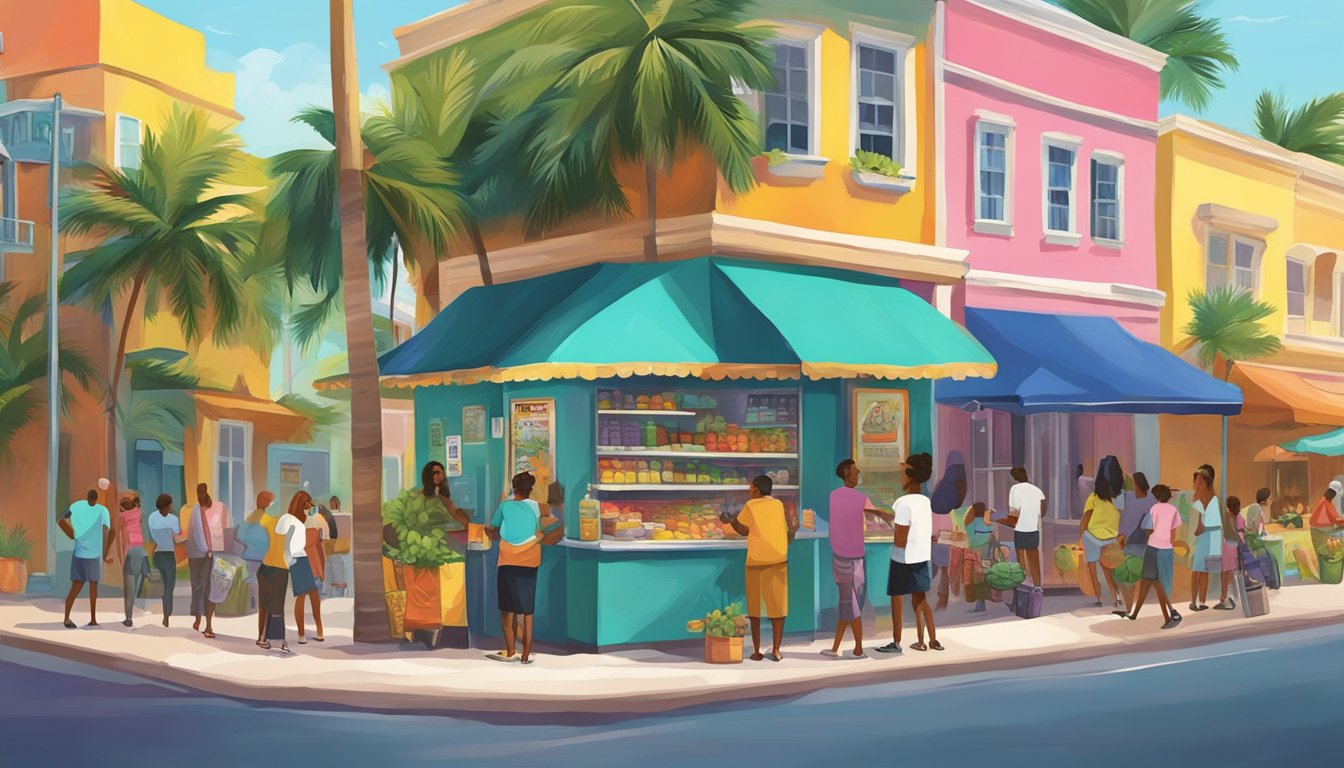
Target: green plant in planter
{"x":419,"y":523}
{"x":721,"y":622}
{"x":775,"y":157}
{"x":15,"y":542}
{"x":871,"y":162}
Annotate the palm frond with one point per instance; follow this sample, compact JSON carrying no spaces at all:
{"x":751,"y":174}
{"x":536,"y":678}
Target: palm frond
{"x":1227,"y":326}
{"x":1314,"y":128}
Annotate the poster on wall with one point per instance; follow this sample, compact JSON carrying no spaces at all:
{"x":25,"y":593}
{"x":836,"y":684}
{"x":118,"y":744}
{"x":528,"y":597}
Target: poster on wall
{"x":436,"y":451}
{"x":452,"y":466}
{"x":532,"y":442}
{"x":881,"y":429}
{"x":473,"y":424}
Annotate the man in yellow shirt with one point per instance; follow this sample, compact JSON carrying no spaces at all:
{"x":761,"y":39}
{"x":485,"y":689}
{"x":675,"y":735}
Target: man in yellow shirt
{"x":768,"y":529}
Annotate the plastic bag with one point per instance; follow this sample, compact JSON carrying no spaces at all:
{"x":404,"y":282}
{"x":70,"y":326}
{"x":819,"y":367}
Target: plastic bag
{"x":222,"y":574}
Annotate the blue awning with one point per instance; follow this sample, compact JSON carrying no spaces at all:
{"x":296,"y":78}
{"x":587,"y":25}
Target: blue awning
{"x":1082,"y":364}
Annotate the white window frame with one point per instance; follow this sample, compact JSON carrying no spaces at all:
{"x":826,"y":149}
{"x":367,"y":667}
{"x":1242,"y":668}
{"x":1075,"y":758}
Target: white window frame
{"x":907,"y":149}
{"x":991,"y":122}
{"x":809,"y":38}
{"x":248,"y":496}
{"x":1295,"y":323}
{"x":116,"y":144}
{"x":1074,"y":144}
{"x":1258,"y":251}
{"x":1107,"y":157}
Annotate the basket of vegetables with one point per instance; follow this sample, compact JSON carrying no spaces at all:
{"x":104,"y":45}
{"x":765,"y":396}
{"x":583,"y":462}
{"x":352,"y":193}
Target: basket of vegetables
{"x":723,"y":629}
{"x":1330,"y":559}
{"x":1003,"y":576}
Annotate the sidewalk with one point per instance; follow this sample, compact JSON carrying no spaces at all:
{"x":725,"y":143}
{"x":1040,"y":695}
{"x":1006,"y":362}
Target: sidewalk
{"x":390,"y":677}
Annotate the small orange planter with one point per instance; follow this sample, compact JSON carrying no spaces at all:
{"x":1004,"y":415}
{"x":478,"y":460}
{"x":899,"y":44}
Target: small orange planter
{"x":723,"y":650}
{"x":13,"y":576}
{"x":423,"y":608}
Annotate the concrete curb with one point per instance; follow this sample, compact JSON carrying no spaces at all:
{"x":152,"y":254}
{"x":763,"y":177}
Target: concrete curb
{"x":486,"y":706}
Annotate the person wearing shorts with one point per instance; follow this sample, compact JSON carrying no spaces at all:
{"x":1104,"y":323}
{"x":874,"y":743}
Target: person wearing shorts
{"x":90,"y":525}
{"x":909,"y":572}
{"x":1100,"y":527}
{"x":769,"y":529}
{"x":849,"y":510}
{"x":1161,"y":522}
{"x":1026,"y":507}
{"x":518,"y":525}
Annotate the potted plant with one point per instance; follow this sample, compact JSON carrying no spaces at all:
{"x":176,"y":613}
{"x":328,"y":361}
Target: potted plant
{"x":871,"y":169}
{"x":723,"y":629}
{"x":16,"y":546}
{"x":781,"y":163}
{"x":418,"y":525}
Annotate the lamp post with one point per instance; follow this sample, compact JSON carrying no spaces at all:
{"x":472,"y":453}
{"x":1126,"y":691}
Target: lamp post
{"x":53,"y":334}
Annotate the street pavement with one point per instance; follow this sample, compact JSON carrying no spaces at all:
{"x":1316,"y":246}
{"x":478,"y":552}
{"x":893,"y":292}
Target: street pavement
{"x":1253,"y":701}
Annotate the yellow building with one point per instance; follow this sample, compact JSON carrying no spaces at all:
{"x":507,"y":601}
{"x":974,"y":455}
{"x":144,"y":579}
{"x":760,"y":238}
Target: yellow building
{"x":833,"y":63}
{"x":1236,"y":210}
{"x":120,"y":70}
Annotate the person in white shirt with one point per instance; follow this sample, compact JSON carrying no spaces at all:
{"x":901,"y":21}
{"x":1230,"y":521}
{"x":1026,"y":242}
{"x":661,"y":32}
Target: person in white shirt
{"x":1026,"y":507}
{"x":292,"y":526}
{"x":912,"y":548}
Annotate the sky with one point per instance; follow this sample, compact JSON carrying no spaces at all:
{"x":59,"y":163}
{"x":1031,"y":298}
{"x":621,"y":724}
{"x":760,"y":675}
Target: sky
{"x":278,"y":50}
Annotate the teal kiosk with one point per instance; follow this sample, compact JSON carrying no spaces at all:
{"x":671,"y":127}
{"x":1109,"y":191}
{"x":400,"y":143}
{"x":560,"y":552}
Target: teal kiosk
{"x":658,"y":391}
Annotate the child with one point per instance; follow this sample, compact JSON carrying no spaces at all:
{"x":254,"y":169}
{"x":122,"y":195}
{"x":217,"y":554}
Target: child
{"x":1234,"y":530}
{"x":1160,"y":522}
{"x":980,"y":539}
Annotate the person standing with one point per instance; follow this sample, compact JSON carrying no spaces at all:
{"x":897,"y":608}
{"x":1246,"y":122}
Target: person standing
{"x":948,"y":495}
{"x":205,"y":537}
{"x":253,"y":537}
{"x":1234,"y":534}
{"x":1324,"y":518}
{"x":1162,"y":521}
{"x":134,"y":559}
{"x":1026,"y":508}
{"x":769,"y":529}
{"x":90,"y":525}
{"x":273,"y":573}
{"x":980,"y":539}
{"x":1208,"y":550}
{"x":520,"y":528}
{"x":293,"y":527}
{"x":909,"y":571}
{"x":1100,"y":528}
{"x":1256,"y":515}
{"x":165,"y":530}
{"x":848,"y":514}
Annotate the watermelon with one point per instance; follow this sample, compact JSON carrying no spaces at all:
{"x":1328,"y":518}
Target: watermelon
{"x":1004,"y":575}
{"x":1130,"y":571}
{"x":1064,"y":560}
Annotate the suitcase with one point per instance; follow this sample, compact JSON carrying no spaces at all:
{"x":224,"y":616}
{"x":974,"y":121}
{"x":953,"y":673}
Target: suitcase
{"x":275,"y":627}
{"x":1027,"y":601}
{"x":1255,"y":602}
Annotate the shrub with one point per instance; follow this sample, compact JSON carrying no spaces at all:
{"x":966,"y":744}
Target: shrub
{"x":420,"y":524}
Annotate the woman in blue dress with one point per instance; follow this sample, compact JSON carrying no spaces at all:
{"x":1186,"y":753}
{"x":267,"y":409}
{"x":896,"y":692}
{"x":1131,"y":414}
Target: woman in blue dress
{"x":1207,"y":556}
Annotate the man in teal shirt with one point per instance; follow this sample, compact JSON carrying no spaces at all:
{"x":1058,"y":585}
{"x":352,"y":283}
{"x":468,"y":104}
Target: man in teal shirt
{"x":90,"y":525}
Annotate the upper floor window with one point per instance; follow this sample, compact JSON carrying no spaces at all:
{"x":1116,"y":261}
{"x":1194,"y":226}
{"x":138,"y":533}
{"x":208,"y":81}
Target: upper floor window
{"x":1231,"y":260}
{"x":1059,"y":204}
{"x":993,"y":142}
{"x":1107,"y":176}
{"x":878,"y":97}
{"x":1297,"y":295}
{"x":788,"y":106}
{"x":128,"y":143}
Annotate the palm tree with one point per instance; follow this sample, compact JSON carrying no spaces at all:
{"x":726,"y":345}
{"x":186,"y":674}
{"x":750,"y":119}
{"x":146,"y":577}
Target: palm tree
{"x":1315,"y":128}
{"x":23,"y":365}
{"x":169,"y":240}
{"x":1198,"y":53}
{"x":366,"y":406}
{"x":640,"y":81}
{"x":1226,"y":327}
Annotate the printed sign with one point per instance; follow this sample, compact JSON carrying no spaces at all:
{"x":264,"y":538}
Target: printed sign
{"x":436,"y":452}
{"x":532,"y":442}
{"x":453,"y":450}
{"x":473,"y":424}
{"x":881,"y":428}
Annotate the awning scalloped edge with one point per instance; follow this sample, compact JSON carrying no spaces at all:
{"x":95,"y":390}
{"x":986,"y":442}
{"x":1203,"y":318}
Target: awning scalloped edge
{"x":710,"y":372}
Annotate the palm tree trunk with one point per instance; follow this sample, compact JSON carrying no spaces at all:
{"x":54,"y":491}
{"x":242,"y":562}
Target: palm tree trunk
{"x":482,"y":256}
{"x":651,"y":196}
{"x":392,"y":298}
{"x":366,"y":428}
{"x":114,"y":388}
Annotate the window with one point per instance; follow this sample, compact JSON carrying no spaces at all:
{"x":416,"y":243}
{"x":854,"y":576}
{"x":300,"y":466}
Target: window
{"x":128,"y":143}
{"x":991,"y":457}
{"x":1231,"y":261}
{"x":67,"y":143}
{"x":1297,"y":295}
{"x":878,"y":97}
{"x":992,"y":143}
{"x":1059,"y":208}
{"x":231,"y":480}
{"x":788,"y":117}
{"x":1106,"y":179}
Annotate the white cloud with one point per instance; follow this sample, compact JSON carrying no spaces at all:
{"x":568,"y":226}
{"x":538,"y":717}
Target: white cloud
{"x":1258,"y":20}
{"x":218,"y":31}
{"x":273,"y":86}
{"x":381,"y":44}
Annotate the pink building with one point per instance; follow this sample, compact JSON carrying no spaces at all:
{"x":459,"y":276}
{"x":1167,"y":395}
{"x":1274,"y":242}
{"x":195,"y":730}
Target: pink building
{"x":1050,"y":154}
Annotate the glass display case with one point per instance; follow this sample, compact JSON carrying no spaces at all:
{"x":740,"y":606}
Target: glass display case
{"x":669,"y":462}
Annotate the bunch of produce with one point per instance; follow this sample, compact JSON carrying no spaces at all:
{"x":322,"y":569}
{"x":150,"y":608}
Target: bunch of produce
{"x":725,"y":622}
{"x":653,"y":472}
{"x":420,"y":524}
{"x":1130,"y":571}
{"x":1004,"y":575}
{"x":1289,"y":520}
{"x":1332,"y":549}
{"x":1064,"y":560}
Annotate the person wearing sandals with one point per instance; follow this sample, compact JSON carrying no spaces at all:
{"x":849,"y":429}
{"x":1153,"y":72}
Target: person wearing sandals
{"x":909,"y":571}
{"x":980,"y":539}
{"x":273,"y":573}
{"x":521,"y":530}
{"x":849,"y":510}
{"x":1100,"y":527}
{"x":768,"y":529}
{"x":1161,"y":522}
{"x":1207,"y":556}
{"x":1234,"y":532}
{"x":293,"y":526}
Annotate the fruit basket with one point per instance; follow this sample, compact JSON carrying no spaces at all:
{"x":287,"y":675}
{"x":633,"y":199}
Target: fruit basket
{"x":723,"y":629}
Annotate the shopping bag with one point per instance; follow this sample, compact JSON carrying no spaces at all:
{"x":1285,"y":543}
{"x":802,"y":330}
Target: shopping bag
{"x":396,"y":613}
{"x":222,"y":574}
{"x":239,"y":599}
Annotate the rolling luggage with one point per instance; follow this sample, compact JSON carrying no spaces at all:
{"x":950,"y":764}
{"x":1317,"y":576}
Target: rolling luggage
{"x":1027,"y":601}
{"x":275,"y":627}
{"x":1255,"y":602}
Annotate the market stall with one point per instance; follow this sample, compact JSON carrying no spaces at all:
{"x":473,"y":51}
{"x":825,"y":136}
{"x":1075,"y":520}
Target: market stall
{"x":658,"y":391}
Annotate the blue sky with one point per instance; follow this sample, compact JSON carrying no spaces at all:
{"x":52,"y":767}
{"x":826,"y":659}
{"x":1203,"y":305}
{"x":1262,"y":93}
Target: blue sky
{"x":278,"y":49}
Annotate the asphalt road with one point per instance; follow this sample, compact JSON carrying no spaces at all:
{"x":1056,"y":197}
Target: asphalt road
{"x":1254,"y":702}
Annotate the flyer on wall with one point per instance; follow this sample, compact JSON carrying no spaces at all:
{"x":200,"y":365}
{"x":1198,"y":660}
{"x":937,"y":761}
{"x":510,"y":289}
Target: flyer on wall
{"x":532,"y":442}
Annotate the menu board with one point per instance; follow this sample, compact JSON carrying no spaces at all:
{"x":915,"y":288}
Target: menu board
{"x":532,"y":443}
{"x":881,"y":429}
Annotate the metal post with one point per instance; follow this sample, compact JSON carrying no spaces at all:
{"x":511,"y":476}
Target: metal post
{"x":1222,"y":488}
{"x":53,"y":337}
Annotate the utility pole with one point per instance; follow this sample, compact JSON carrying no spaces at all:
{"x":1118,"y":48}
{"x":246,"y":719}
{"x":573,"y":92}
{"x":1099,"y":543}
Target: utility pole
{"x":53,"y":336}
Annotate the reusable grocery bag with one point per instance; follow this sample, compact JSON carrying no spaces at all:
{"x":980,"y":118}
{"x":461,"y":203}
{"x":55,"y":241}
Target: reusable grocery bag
{"x":222,"y":574}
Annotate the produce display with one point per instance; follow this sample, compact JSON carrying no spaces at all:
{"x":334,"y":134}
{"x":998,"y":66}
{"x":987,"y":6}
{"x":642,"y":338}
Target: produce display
{"x":728,"y":621}
{"x":667,"y":521}
{"x":707,"y":433}
{"x":655,"y":472}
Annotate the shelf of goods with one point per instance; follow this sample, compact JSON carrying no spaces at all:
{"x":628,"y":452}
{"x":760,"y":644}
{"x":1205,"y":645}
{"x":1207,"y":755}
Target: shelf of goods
{"x":669,"y":463}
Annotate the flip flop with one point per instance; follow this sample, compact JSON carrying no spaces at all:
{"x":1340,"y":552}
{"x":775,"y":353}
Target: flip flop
{"x":70,"y":624}
{"x":208,"y":635}
{"x":937,"y":646}
{"x":889,"y":648}
{"x":1201,"y":608}
{"x":319,"y":639}
{"x":527,"y":661}
{"x":827,"y":652}
{"x":757,"y":657}
{"x":774,"y":657}
{"x":919,"y":647}
{"x":303,"y":640}
{"x":859,"y":654}
{"x":287,"y":649}
{"x":1174,"y":622}
{"x":264,"y":645}
{"x":501,"y":658}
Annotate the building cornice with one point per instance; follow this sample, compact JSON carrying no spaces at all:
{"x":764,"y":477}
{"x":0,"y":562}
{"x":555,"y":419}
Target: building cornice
{"x":454,"y":25}
{"x":1310,"y":168}
{"x":1146,"y":127}
{"x":1059,"y":22}
{"x":1115,"y":293}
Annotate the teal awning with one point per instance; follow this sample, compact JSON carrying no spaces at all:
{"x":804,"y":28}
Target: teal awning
{"x":710,"y":317}
{"x":1328,"y":444}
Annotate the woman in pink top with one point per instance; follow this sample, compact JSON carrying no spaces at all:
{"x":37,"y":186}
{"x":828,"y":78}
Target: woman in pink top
{"x":1160,"y":522}
{"x":848,"y":514}
{"x":134,"y":559}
